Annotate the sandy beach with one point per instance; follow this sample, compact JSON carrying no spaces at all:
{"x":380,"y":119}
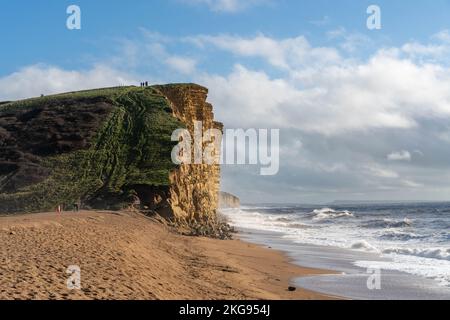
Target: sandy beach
{"x":125,"y":255}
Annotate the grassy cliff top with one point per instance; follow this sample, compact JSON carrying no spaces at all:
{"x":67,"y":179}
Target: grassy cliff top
{"x":110,"y":93}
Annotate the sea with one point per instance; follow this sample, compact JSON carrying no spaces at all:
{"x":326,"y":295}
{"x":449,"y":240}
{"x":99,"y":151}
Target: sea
{"x":374,"y":251}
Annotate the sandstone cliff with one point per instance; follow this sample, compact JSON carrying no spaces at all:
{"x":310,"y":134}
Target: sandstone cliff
{"x":227,"y":200}
{"x":194,"y":188}
{"x":105,"y":149}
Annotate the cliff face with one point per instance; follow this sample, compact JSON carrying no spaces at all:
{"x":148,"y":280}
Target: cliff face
{"x":104,"y":149}
{"x":193,"y":191}
{"x":227,"y":200}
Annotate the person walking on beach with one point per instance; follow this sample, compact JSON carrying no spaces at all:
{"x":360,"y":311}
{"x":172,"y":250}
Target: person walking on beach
{"x":59,"y":209}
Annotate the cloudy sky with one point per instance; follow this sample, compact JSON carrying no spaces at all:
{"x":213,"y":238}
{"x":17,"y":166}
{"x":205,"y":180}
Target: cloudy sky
{"x":363,"y":114}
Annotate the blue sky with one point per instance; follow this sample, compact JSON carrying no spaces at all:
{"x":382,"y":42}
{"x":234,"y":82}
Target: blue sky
{"x":363,"y":114}
{"x":34,"y":31}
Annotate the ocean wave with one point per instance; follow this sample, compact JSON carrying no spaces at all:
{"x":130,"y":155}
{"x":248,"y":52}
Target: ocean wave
{"x":284,"y":218}
{"x":432,"y":253}
{"x":328,"y":214}
{"x":387,"y":223}
{"x":397,"y":235}
{"x":364,"y":245}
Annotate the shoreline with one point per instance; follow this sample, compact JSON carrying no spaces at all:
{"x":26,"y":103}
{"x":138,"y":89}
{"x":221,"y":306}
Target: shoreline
{"x":269,"y":272}
{"x":125,"y":255}
{"x":346,"y":280}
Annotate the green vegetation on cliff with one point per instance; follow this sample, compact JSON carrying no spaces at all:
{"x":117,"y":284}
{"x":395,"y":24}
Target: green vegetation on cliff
{"x":112,"y":139}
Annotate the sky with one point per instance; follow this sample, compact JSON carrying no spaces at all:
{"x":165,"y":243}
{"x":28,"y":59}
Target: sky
{"x":363,"y":114}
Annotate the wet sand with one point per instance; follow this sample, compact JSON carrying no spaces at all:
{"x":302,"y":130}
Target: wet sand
{"x":129,"y":256}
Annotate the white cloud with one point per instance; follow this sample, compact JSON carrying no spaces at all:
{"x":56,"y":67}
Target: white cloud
{"x":443,"y":36}
{"x":415,"y":49}
{"x":322,"y":91}
{"x":181,"y":64}
{"x":411,"y":184}
{"x":349,"y":41}
{"x":385,"y":92}
{"x":284,"y":53}
{"x":229,"y":6}
{"x":436,"y":50}
{"x":42,"y":79}
{"x":399,"y":156}
{"x":380,"y":172}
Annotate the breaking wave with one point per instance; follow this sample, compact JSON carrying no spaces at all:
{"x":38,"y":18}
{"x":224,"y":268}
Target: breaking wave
{"x":329,"y":214}
{"x":393,"y":234}
{"x":387,"y":223}
{"x":364,"y":245}
{"x":431,"y":253}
